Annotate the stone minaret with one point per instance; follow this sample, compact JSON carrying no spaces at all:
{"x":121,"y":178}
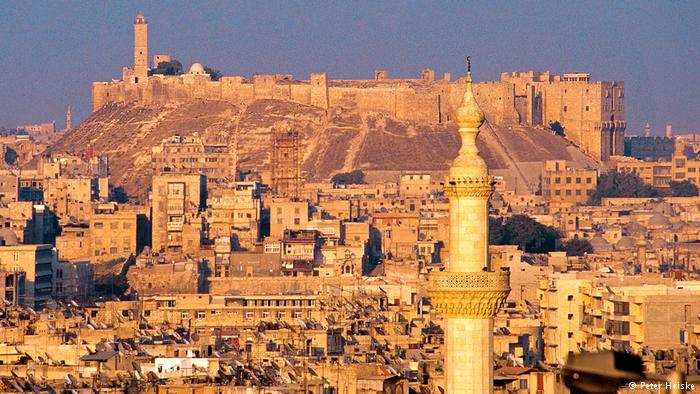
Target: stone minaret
{"x":140,"y":49}
{"x":467,"y":294}
{"x":69,"y":119}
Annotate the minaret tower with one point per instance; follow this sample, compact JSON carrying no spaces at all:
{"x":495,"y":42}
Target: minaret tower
{"x":647,"y":130}
{"x":140,"y":49}
{"x":69,"y":119}
{"x":468,"y":294}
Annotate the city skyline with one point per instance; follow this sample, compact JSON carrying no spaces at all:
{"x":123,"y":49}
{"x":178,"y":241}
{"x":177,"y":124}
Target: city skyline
{"x":640,"y":45}
{"x":327,"y":198}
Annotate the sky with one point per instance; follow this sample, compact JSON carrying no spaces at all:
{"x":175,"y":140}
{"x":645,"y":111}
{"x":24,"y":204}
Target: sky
{"x":51,"y":51}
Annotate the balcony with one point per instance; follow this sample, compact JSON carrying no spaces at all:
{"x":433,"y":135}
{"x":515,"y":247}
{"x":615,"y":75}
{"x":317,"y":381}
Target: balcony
{"x":598,"y":331}
{"x":174,"y":226}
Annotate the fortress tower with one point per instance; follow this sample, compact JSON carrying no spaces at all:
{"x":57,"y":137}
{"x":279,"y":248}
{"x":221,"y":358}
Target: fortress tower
{"x":468,"y":294}
{"x":140,"y":49}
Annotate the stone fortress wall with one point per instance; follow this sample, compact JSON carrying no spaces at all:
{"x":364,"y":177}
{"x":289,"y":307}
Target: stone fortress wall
{"x":419,"y":100}
{"x":592,"y":113}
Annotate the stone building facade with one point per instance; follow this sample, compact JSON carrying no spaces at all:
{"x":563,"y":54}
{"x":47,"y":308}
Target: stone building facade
{"x":190,"y":154}
{"x":679,"y":168}
{"x":37,"y":262}
{"x":177,"y":201}
{"x":564,"y":184}
{"x":234,"y":212}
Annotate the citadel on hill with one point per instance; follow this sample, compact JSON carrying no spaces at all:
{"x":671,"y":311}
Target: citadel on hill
{"x":591,"y":112}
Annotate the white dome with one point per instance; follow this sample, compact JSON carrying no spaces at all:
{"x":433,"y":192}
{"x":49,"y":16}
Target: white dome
{"x":197,"y":68}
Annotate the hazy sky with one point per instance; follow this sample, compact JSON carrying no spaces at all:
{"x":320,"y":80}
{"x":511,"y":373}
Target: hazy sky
{"x":50,"y":52}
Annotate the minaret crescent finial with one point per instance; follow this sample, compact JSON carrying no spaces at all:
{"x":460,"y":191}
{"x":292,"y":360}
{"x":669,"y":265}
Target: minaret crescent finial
{"x":469,"y":64}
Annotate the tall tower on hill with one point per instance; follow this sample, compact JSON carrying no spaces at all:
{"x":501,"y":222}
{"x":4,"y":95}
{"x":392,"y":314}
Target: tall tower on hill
{"x":140,"y":49}
{"x":468,"y":294}
{"x":69,"y":119}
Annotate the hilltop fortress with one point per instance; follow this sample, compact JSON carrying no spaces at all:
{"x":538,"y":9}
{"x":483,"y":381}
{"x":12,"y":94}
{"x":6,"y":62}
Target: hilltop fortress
{"x":591,"y":112}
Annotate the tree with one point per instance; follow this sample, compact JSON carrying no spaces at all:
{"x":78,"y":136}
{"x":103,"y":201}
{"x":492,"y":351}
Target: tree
{"x":557,"y":128}
{"x":530,"y":235}
{"x":497,"y":232}
{"x":119,"y":195}
{"x":349,"y":178}
{"x":173,"y":67}
{"x":111,"y":284}
{"x":10,"y":155}
{"x":214,"y":73}
{"x":577,"y":247}
{"x":621,"y":184}
{"x":682,"y":189}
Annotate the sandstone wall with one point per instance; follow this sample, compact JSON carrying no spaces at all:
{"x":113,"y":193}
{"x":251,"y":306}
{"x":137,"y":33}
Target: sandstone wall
{"x":425,"y":101}
{"x":497,"y":100}
{"x":277,"y":285}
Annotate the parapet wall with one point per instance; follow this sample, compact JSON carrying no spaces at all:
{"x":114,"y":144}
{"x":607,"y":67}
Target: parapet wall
{"x":412,"y":100}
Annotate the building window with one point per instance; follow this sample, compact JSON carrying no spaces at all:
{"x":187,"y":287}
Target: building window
{"x":249,"y":315}
{"x":565,"y":108}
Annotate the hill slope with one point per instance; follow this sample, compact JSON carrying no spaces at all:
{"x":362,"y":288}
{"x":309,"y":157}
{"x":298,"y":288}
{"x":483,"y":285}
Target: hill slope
{"x":337,"y":140}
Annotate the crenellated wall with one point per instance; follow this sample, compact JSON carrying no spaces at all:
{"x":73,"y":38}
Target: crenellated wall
{"x":424,"y":100}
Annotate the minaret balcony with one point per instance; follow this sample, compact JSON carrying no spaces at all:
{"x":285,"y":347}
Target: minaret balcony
{"x":476,"y":295}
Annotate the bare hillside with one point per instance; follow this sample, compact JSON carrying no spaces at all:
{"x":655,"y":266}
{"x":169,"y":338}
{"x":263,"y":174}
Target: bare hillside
{"x":337,"y":140}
